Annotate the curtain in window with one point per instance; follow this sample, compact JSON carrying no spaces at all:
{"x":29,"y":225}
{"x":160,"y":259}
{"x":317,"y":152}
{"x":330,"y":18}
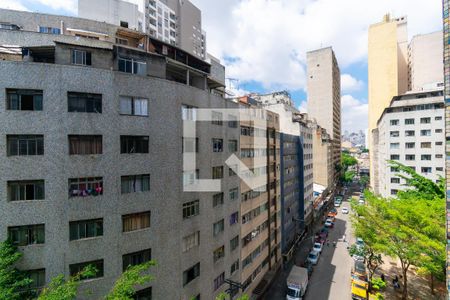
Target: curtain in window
{"x":126,"y":105}
{"x":136,"y":221}
{"x":141,"y":107}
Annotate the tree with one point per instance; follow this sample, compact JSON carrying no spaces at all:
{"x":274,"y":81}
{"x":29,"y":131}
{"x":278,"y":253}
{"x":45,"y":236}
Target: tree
{"x":348,"y":176}
{"x":371,"y":257}
{"x":13,"y":282}
{"x":347,"y":161}
{"x":364,"y":180}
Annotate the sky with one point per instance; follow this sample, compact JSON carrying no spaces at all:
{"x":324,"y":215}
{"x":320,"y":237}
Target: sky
{"x":263,"y":43}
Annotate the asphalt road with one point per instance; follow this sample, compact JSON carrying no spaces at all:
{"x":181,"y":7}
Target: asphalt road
{"x":331,"y":276}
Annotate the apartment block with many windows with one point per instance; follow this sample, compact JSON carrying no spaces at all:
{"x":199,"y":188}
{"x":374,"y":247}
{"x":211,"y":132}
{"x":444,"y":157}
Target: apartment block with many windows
{"x":411,"y":132}
{"x":91,"y":148}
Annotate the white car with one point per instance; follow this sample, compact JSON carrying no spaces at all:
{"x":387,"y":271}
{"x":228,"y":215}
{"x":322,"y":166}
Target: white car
{"x":337,"y":204}
{"x":317,"y":247}
{"x":345,"y":210}
{"x":361,"y":201}
{"x":329,"y":223}
{"x":313,"y":257}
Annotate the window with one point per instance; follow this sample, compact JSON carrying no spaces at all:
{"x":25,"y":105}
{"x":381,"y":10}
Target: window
{"x":409,"y":121}
{"x":137,"y":221}
{"x":395,"y":157}
{"x":217,"y":199}
{"x":81,"y":57}
{"x":133,"y":66}
{"x":426,"y":169}
{"x":394,"y":122}
{"x":395,"y":145}
{"x":85,"y":144}
{"x":133,"y":106}
{"x":409,"y":133}
{"x":133,"y":144}
{"x":191,"y":241}
{"x":25,"y":145}
{"x":437,"y":118}
{"x":425,"y":157}
{"x":234,"y":267}
{"x":410,"y":145}
{"x":88,"y":186}
{"x":232,"y":145}
{"x":27,"y":234}
{"x":191,"y":273}
{"x":190,"y":177}
{"x":439,"y":169}
{"x":410,"y":157}
{"x":219,"y":253}
{"x":439,"y":156}
{"x":74,"y":269}
{"x":438,"y":143}
{"x":394,"y":192}
{"x":217,"y":145}
{"x":218,"y":227}
{"x":26,"y":190}
{"x":145,"y":294}
{"x":232,"y":123}
{"x":395,"y":180}
{"x":37,"y":279}
{"x":425,"y":145}
{"x":234,"y":218}
{"x":124,"y":24}
{"x":135,"y":183}
{"x":216,"y":118}
{"x":52,"y":30}
{"x":24,"y":99}
{"x":188,"y":113}
{"x":234,"y":243}
{"x":191,"y":209}
{"x":425,"y":132}
{"x":425,"y":120}
{"x":84,"y":102}
{"x":394,"y":133}
{"x":219,"y":281}
{"x":85,"y":229}
{"x":136,"y":258}
{"x":190,"y":145}
{"x":217,"y":172}
{"x":438,"y":130}
{"x":234,"y":193}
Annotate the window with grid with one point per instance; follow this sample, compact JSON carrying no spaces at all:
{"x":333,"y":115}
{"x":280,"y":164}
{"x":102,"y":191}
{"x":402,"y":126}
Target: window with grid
{"x":219,"y":253}
{"x":85,"y":144}
{"x":133,"y":106}
{"x":86,"y":186}
{"x":85,"y":229}
{"x":425,"y":120}
{"x":410,"y":145}
{"x":84,"y":102}
{"x":81,"y":57}
{"x":135,"y":183}
{"x":75,"y":269}
{"x":133,"y":144}
{"x":234,"y":267}
{"x":145,"y":294}
{"x":425,"y":145}
{"x":191,"y":273}
{"x":234,"y":218}
{"x":217,"y":199}
{"x":136,"y":258}
{"x":216,"y":118}
{"x":27,"y":234}
{"x":234,"y":193}
{"x":395,"y":180}
{"x":217,"y":172}
{"x":190,"y":177}
{"x":21,"y":145}
{"x":217,"y":145}
{"x":26,"y":190}
{"x":409,"y":133}
{"x":232,"y":123}
{"x":219,"y":281}
{"x":188,"y":113}
{"x":409,"y":121}
{"x":191,"y":209}
{"x":21,"y":99}
{"x":133,"y":66}
{"x":234,"y":243}
{"x":232,"y":145}
{"x":218,"y":227}
{"x":136,"y":221}
{"x":37,"y":279}
{"x":190,"y":241}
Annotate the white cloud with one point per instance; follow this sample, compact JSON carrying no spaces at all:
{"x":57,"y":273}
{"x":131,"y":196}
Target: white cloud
{"x":12,"y":4}
{"x":354,"y":114}
{"x":67,"y":5}
{"x":350,"y":83}
{"x":303,"y":107}
{"x":268,"y":40}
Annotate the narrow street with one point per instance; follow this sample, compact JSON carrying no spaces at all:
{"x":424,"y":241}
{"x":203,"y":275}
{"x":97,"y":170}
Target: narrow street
{"x":331,"y":276}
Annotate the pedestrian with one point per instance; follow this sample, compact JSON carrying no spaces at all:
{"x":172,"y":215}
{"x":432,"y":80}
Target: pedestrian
{"x":343,"y":238}
{"x":382,"y":277}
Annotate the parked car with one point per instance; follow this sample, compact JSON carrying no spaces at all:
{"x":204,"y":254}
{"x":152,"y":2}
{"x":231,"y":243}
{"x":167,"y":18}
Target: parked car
{"x":359,"y":271}
{"x":317,"y":247}
{"x":313,"y":257}
{"x":329,"y":223}
{"x":337,"y":204}
{"x":359,"y":243}
{"x":333,"y":211}
{"x":361,"y":201}
{"x":331,"y":216}
{"x":345,"y":210}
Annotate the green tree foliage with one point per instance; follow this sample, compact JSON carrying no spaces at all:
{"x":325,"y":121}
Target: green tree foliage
{"x":410,"y":227}
{"x":12,"y":281}
{"x":223,"y":296}
{"x":378,"y":284}
{"x":371,"y":257}
{"x":348,"y":176}
{"x":347,"y":161}
{"x":364,"y":180}
{"x":124,"y":288}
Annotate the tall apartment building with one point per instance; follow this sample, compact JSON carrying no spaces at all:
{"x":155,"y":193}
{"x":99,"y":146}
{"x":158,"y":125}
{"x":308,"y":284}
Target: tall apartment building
{"x":425,"y":62}
{"x":324,"y":96}
{"x":446,"y":60}
{"x":175,"y":22}
{"x":322,"y":157}
{"x":296,"y":168}
{"x":91,"y":148}
{"x":410,"y":131}
{"x":260,"y":207}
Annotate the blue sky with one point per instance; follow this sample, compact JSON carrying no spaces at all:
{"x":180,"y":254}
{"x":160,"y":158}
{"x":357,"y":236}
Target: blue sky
{"x":263,"y":43}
